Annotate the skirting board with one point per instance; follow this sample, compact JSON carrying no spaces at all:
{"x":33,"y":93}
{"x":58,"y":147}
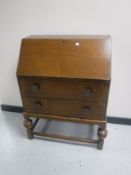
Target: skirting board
{"x":110,"y":119}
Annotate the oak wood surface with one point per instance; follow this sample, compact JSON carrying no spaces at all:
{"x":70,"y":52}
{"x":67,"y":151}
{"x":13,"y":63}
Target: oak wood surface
{"x":95,"y":91}
{"x":66,"y":108}
{"x":71,"y":58}
{"x":66,"y":119}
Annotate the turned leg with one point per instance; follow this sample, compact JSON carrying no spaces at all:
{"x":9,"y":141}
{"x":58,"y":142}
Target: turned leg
{"x":102,"y":133}
{"x":28,"y":125}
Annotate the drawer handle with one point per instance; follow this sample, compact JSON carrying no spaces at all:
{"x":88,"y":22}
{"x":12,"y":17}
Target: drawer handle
{"x":35,"y":87}
{"x":39,"y":103}
{"x":87,"y":92}
{"x":86,"y":110}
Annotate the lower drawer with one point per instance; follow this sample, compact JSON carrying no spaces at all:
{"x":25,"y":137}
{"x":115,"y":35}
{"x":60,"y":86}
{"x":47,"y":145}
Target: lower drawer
{"x":66,"y":108}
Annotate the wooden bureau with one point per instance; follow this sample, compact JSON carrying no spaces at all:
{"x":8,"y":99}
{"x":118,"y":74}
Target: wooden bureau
{"x":65,"y":78}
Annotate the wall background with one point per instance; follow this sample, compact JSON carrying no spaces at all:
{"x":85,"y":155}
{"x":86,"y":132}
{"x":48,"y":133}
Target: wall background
{"x":19,"y":19}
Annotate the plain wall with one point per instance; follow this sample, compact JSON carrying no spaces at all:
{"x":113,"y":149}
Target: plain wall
{"x":19,"y":19}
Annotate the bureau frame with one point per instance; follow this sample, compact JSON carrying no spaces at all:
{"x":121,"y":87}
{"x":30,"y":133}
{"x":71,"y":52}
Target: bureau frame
{"x":82,"y":58}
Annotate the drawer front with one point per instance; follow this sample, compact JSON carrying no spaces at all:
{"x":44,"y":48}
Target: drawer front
{"x":66,"y":108}
{"x":63,"y":89}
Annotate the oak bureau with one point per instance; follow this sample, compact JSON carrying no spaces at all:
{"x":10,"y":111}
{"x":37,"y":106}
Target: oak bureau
{"x":65,"y":78}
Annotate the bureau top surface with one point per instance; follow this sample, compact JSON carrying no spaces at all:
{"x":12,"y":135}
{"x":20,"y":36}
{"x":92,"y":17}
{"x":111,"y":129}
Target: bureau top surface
{"x":69,"y":56}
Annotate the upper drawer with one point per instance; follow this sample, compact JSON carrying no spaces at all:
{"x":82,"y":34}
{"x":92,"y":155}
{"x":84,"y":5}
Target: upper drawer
{"x":64,"y":89}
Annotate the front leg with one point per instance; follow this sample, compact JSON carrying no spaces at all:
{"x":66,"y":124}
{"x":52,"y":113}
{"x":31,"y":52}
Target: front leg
{"x":28,"y":124}
{"x":102,"y":133}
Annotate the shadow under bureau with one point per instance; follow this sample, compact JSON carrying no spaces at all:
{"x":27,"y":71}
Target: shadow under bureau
{"x":65,"y":78}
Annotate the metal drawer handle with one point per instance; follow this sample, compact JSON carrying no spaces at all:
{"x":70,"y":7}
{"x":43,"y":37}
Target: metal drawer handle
{"x":39,"y":103}
{"x":87,"y":92}
{"x":35,"y":87}
{"x":86,"y":110}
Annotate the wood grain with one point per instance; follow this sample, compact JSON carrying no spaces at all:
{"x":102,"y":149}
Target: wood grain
{"x":49,"y":57}
{"x":66,"y":108}
{"x":64,"y":89}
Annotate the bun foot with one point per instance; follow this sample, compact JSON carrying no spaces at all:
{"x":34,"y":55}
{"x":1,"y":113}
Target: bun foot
{"x":28,"y":125}
{"x":102,"y":133}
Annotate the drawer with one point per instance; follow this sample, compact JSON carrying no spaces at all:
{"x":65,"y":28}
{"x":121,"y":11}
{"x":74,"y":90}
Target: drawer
{"x":66,"y":108}
{"x":63,"y":89}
